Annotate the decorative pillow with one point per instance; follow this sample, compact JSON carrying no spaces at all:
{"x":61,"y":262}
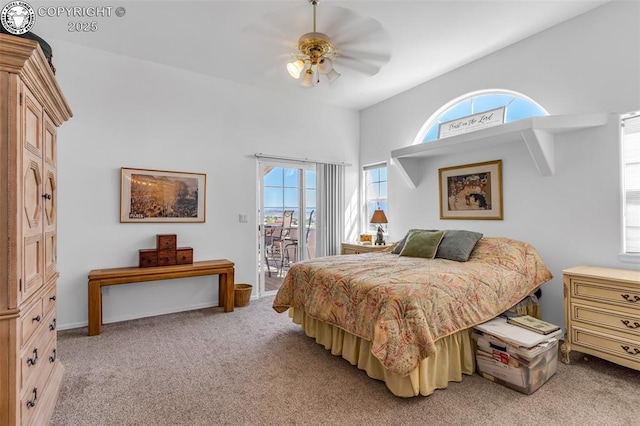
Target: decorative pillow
{"x":400,"y":244}
{"x":457,"y":244}
{"x":422,"y":243}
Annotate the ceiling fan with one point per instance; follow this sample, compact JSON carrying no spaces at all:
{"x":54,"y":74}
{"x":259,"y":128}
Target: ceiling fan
{"x":357,"y":43}
{"x":315,"y":56}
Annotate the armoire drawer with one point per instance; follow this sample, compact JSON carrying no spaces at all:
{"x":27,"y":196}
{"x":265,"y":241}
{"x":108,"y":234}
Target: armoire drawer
{"x":35,"y":356}
{"x":30,"y":320}
{"x":35,"y":397}
{"x":49,"y":300}
{"x":34,"y":359}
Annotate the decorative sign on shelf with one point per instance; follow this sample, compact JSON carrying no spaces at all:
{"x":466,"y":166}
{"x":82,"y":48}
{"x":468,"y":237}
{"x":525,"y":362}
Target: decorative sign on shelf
{"x":471,"y":123}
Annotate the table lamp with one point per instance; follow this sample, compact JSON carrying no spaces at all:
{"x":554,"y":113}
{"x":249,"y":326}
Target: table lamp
{"x":378,"y":218}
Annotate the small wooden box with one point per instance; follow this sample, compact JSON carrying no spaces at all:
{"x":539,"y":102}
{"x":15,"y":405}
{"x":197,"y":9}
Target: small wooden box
{"x":148,"y":257}
{"x":166,"y":257}
{"x":166,"y":241}
{"x":184,"y":255}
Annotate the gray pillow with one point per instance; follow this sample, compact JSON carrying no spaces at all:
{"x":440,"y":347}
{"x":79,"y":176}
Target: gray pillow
{"x":457,"y":244}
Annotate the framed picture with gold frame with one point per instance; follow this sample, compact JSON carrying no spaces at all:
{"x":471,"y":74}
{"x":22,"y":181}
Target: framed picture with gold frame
{"x":162,"y":196}
{"x":471,"y":191}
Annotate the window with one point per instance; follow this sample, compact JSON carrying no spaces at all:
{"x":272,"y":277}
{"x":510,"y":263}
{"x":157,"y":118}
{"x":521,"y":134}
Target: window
{"x":282,"y":192}
{"x":375,"y":178}
{"x":517,"y":107}
{"x":631,"y":183}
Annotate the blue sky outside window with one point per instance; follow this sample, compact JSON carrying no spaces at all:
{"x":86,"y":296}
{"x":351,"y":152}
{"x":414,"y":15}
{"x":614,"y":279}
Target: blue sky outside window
{"x":516,"y":106}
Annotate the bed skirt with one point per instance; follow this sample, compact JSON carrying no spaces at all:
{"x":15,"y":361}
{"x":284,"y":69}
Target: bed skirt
{"x":455,"y":355}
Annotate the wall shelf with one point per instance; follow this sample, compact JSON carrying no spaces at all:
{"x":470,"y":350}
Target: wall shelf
{"x":538,"y":134}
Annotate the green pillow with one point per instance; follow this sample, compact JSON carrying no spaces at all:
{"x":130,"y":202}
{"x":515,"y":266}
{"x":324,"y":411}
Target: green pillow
{"x":422,"y":244}
{"x":400,"y":244}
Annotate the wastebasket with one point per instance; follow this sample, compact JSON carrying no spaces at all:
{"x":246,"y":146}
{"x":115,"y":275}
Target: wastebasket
{"x":241,"y":294}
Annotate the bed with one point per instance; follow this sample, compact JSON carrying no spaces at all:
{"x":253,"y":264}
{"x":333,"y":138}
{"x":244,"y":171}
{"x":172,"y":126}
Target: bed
{"x":406,"y":320}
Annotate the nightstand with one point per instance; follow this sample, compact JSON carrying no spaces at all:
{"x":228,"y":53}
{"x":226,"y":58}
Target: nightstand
{"x":357,"y":248}
{"x":602,"y":314}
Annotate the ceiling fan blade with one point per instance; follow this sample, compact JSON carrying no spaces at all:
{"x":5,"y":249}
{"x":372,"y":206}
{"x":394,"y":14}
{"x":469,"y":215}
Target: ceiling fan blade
{"x":362,"y":42}
{"x":274,"y":34}
{"x":357,"y":64}
{"x":364,"y":30}
{"x":380,"y":58}
{"x":334,"y":19}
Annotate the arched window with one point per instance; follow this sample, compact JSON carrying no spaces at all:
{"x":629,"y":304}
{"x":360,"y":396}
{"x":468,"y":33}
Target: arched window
{"x":517,"y":106}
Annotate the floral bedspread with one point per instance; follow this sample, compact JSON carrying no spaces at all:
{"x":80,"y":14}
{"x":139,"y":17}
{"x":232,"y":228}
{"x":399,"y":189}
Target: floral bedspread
{"x":404,"y":304}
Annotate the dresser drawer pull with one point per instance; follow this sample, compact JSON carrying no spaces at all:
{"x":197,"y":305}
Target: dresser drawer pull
{"x":52,"y":326}
{"x":628,"y":350}
{"x":628,"y":298}
{"x":37,"y":318}
{"x":34,"y":360}
{"x":32,"y":402}
{"x":54,"y":355}
{"x":52,"y":298}
{"x":634,"y":325}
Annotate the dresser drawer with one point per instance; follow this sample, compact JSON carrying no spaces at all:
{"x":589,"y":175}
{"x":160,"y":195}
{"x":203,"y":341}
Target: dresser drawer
{"x":620,"y":320}
{"x":147,"y":258}
{"x":30,"y":321}
{"x":602,"y":292}
{"x":166,"y":257}
{"x":608,"y":344}
{"x":184,"y":255}
{"x":166,"y":241}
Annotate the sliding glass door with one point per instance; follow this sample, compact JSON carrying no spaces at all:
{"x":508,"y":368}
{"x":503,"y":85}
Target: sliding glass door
{"x":286,"y":219}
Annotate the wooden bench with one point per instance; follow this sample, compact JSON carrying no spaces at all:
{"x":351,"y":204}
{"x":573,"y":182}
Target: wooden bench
{"x":99,"y":278}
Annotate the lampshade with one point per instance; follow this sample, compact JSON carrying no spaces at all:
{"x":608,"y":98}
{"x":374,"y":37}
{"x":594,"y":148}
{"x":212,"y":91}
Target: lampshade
{"x":295,"y":68}
{"x":307,"y":80}
{"x":333,"y":75}
{"x":325,"y":65}
{"x":378,"y":217}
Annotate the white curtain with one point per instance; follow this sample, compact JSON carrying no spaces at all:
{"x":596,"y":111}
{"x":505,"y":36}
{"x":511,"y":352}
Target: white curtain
{"x":631,"y":173}
{"x":330,"y":214}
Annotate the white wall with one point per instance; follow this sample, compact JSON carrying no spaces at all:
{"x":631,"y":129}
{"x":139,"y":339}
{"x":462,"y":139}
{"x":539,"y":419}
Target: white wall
{"x":132,"y":113}
{"x":588,"y":64}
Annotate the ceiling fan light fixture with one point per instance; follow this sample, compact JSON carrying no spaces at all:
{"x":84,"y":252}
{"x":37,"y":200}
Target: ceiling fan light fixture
{"x":295,"y":68}
{"x":325,"y":65}
{"x":316,"y":49}
{"x":307,"y":79}
{"x":333,"y":75}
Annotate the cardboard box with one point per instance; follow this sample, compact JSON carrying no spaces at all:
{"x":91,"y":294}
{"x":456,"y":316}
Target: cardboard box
{"x":507,"y":368}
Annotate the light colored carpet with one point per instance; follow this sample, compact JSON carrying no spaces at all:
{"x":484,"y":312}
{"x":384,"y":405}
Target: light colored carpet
{"x":255,"y":367}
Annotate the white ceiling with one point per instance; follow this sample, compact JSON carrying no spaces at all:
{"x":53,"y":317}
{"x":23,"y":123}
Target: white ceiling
{"x":250,"y":41}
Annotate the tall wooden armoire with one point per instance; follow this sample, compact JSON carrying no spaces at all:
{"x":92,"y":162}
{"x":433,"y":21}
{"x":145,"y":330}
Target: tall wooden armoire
{"x":31,"y":108}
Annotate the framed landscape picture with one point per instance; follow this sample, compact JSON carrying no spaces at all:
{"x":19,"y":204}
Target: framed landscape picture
{"x":162,"y":196}
{"x":471,"y":191}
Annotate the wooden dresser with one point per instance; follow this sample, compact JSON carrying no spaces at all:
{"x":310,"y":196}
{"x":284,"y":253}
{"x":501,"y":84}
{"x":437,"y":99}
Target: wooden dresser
{"x":602,"y":314}
{"x":355,"y":248}
{"x":31,"y":109}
